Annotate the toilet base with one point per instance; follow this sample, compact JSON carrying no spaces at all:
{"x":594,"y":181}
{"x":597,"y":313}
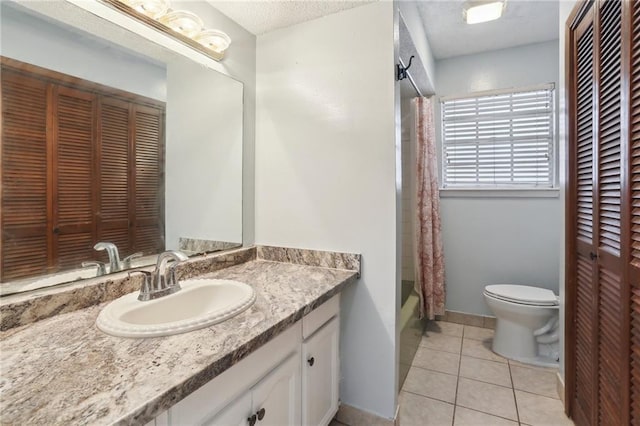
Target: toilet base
{"x":517,"y":342}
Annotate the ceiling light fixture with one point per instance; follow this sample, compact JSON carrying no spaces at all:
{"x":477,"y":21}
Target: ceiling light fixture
{"x":477,"y":11}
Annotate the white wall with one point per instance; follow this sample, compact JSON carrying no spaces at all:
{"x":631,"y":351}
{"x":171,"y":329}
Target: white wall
{"x":325,"y":173}
{"x":240,"y":64}
{"x":411,"y":17}
{"x":499,"y":240}
{"x":203,"y":167}
{"x":35,"y":41}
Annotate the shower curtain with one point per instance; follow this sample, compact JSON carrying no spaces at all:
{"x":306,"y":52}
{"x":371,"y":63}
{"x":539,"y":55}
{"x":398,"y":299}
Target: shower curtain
{"x":429,"y":256}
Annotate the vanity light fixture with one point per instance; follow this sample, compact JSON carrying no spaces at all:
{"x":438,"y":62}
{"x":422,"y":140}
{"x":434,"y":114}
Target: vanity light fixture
{"x":477,"y":11}
{"x":151,"y":8}
{"x":184,"y":22}
{"x":214,"y":40}
{"x":182,"y":25}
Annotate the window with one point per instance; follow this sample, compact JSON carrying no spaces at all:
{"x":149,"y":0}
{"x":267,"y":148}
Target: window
{"x":499,"y":140}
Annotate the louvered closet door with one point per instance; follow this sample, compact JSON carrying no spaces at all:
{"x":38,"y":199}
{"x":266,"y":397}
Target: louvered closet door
{"x":73,"y":179}
{"x":24,"y":177}
{"x":611,"y":338}
{"x":585,"y":326}
{"x":114,"y":169}
{"x":149,"y":179}
{"x":633,"y":266}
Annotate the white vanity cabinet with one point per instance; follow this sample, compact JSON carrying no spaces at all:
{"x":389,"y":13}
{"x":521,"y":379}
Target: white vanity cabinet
{"x":274,"y":401}
{"x":320,"y":374}
{"x":291,"y":380}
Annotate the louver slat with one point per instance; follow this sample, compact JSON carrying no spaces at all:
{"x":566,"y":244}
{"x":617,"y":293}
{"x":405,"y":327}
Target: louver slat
{"x":635,"y":138}
{"x":149,"y":220}
{"x":585,"y":136}
{"x":24,"y":176}
{"x":114,"y":167}
{"x":73,"y":209}
{"x":610,"y":348}
{"x":584,"y":330}
{"x":611,"y":356}
{"x":635,"y":356}
{"x":609,"y":152}
{"x":634,"y":208}
{"x":584,"y":312}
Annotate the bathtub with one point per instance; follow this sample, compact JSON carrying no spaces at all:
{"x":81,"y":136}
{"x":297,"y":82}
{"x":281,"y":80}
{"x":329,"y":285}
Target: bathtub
{"x":411,"y":329}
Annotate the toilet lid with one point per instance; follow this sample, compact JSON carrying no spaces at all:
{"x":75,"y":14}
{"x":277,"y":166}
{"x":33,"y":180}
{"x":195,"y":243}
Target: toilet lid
{"x":522,"y":294}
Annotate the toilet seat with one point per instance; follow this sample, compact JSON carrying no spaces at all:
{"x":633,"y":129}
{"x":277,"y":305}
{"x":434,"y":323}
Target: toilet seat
{"x":522,"y":294}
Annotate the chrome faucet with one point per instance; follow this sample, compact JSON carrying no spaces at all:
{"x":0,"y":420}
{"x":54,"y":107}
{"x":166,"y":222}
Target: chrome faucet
{"x":115,"y":264}
{"x":101,"y":267}
{"x":162,"y":281}
{"x":112,"y":252}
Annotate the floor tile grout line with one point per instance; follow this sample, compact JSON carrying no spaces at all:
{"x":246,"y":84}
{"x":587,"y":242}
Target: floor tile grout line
{"x":439,"y":350}
{"x":484,"y":359}
{"x":485,"y":382}
{"x":488,"y":414}
{"x":428,"y":397}
{"x":455,"y":398}
{"x":431,"y":369}
{"x":513,"y":389}
{"x":536,"y":394}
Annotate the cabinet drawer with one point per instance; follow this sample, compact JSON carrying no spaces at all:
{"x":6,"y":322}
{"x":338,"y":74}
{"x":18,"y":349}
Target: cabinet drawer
{"x":319,"y":316}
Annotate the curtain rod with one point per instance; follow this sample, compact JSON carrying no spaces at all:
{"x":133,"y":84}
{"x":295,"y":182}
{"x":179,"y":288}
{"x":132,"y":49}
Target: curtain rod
{"x":411,"y":80}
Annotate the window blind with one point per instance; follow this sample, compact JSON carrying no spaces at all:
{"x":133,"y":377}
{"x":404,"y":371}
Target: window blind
{"x":499,"y":139}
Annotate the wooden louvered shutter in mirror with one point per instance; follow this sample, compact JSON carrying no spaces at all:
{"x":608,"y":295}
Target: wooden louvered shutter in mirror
{"x":81,"y":163}
{"x":73,"y":179}
{"x":585,"y":328}
{"x":114,"y":168}
{"x":149,"y":180}
{"x":25,"y":244}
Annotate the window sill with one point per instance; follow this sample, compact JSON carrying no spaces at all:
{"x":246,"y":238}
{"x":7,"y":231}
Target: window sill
{"x":499,"y":193}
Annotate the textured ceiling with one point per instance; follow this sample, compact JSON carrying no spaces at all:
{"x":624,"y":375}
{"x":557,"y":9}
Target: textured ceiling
{"x":261,"y":16}
{"x":524,"y":22}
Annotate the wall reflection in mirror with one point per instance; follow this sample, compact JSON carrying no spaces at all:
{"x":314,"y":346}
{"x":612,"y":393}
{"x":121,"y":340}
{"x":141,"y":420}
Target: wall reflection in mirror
{"x":113,"y":149}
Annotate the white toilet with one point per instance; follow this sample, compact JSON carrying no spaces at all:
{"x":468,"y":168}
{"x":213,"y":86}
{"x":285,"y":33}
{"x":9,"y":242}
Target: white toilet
{"x":526,"y":323}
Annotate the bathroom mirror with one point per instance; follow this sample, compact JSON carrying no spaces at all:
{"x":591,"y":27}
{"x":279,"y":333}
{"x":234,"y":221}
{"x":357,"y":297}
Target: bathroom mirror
{"x":109,"y":137}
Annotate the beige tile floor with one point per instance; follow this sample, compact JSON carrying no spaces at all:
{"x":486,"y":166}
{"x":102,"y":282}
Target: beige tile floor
{"x":456,"y":379}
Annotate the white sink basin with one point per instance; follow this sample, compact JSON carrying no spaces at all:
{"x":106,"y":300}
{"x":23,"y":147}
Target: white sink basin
{"x":200,"y":303}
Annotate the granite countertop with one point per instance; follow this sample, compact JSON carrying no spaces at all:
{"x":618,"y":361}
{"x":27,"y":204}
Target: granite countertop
{"x":63,"y":370}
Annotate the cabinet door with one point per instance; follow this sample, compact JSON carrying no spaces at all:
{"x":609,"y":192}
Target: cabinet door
{"x":276,"y":398}
{"x":320,"y":375}
{"x":234,"y":414}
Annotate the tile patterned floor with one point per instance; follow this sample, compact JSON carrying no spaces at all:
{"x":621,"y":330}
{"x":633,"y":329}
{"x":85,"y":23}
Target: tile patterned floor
{"x":456,"y":379}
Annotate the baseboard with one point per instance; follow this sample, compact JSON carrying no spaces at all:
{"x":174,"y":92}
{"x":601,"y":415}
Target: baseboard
{"x":560,"y":387}
{"x":468,"y":319}
{"x":353,"y":416}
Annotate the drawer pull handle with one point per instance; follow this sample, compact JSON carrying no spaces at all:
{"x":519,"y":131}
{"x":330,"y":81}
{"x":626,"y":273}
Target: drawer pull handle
{"x":311,"y":361}
{"x":261,"y":413}
{"x":252,"y":420}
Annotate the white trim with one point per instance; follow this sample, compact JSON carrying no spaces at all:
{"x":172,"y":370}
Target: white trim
{"x":494,"y":92}
{"x":498,"y":193}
